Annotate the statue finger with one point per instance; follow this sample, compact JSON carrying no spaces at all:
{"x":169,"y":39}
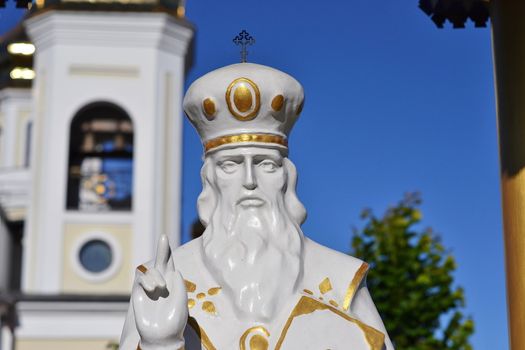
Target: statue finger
{"x":150,"y":279}
{"x":163,"y":252}
{"x":157,"y":278}
{"x":146,"y":282}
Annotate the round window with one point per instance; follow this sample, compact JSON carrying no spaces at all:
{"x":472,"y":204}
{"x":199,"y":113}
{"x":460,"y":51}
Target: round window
{"x":95,"y":255}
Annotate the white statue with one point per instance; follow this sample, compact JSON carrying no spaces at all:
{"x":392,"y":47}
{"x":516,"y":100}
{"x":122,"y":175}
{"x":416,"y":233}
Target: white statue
{"x":253,"y":280}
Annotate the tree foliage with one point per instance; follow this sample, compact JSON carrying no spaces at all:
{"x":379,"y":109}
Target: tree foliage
{"x":112,"y":345}
{"x":411,"y":280}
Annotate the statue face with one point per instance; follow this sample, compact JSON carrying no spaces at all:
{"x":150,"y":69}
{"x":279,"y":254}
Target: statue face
{"x":252,"y":244}
{"x":249,"y":177}
{"x":252,"y":235}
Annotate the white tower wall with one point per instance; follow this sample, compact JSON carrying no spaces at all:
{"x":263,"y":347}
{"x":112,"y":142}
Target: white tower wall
{"x":136,"y":61}
{"x":15,"y":120}
{"x":15,"y":115}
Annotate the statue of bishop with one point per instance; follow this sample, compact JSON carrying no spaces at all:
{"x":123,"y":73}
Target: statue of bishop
{"x":253,"y":280}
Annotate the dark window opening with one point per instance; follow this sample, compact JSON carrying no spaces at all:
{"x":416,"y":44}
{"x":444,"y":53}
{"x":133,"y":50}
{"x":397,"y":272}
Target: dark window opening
{"x":95,"y":256}
{"x":100,"y":170}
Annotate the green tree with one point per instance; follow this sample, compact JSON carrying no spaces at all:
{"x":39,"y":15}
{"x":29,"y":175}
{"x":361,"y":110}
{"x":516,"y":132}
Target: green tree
{"x":411,"y":280}
{"x":112,"y":345}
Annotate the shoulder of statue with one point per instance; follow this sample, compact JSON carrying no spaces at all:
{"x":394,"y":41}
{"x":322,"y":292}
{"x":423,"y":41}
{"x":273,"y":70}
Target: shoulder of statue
{"x":189,"y":251}
{"x":331,"y":275}
{"x":188,"y":259}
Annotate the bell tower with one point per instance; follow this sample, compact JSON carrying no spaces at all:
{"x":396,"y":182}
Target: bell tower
{"x":105,"y":160}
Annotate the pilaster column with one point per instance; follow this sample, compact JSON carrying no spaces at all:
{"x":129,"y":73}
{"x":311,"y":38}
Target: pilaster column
{"x":508,"y":36}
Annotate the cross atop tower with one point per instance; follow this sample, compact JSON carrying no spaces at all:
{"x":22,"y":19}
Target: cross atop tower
{"x":244,"y":39}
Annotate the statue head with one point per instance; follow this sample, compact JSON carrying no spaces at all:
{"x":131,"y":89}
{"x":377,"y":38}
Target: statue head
{"x":244,"y":114}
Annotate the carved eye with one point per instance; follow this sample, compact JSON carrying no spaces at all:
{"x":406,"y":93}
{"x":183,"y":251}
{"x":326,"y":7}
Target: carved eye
{"x":268,"y":166}
{"x":228,"y":166}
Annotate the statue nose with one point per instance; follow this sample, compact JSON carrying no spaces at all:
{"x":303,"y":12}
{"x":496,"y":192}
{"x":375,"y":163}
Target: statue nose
{"x":250,"y":183}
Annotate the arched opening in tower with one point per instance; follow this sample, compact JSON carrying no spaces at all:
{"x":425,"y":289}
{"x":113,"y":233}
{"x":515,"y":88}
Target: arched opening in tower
{"x":100,"y":170}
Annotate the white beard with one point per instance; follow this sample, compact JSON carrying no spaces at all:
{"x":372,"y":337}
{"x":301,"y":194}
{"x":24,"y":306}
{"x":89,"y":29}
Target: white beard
{"x":256,"y":255}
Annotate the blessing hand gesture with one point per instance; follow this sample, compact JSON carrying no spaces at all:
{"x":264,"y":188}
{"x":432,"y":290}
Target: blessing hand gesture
{"x":160,"y":302}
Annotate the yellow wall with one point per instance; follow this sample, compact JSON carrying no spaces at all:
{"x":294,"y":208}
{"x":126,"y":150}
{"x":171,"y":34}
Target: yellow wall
{"x":57,"y":344}
{"x":119,"y":283}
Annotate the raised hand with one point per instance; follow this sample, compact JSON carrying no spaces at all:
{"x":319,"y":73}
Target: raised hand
{"x":160,"y":302}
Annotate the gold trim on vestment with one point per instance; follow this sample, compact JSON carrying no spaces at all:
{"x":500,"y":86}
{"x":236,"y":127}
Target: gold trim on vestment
{"x":240,"y":138}
{"x":261,"y":344}
{"x":325,"y":286}
{"x":307,"y":305}
{"x":190,"y":286}
{"x":201,"y":334}
{"x":142,"y":268}
{"x":214,"y":290}
{"x":333,"y":303}
{"x":352,"y":287}
{"x":209,"y":307}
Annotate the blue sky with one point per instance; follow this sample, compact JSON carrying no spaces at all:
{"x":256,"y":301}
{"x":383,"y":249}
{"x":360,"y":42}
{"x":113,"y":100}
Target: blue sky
{"x":393,"y":104}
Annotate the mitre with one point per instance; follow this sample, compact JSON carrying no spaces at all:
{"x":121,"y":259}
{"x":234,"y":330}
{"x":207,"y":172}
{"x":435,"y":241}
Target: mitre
{"x":244,"y":104}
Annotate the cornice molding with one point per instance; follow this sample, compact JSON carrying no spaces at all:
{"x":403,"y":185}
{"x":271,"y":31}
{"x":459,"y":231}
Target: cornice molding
{"x":110,"y":29}
{"x":457,"y":12}
{"x":22,"y":94}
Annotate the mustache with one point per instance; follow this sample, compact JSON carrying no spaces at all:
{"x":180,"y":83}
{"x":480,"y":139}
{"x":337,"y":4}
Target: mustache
{"x":251,"y":199}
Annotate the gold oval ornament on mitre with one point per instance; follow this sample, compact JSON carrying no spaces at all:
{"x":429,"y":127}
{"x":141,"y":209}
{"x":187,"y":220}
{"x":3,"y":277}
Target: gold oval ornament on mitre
{"x":243,"y":99}
{"x":277,"y":103}
{"x":209,"y":108}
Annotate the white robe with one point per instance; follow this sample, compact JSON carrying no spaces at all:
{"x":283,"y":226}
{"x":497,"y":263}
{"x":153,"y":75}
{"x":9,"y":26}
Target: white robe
{"x":332,"y":309}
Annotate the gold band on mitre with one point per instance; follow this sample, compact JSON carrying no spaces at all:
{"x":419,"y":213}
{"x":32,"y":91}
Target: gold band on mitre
{"x":245,"y":138}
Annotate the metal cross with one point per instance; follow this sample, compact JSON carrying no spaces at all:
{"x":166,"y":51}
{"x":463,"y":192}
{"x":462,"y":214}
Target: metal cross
{"x":244,"y":39}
